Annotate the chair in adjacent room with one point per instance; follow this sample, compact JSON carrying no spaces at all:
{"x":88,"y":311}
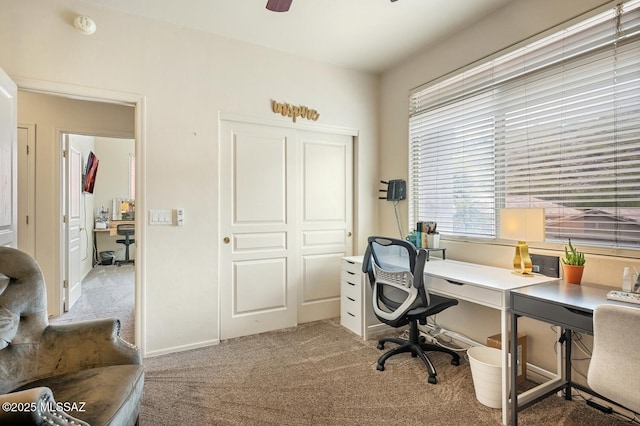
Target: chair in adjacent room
{"x":614,"y":369}
{"x":395,"y":269}
{"x":78,"y":373}
{"x":128,"y":231}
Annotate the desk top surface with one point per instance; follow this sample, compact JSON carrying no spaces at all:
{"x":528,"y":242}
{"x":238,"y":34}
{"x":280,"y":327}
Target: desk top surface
{"x":478,"y":275}
{"x":585,"y":296}
{"x":481,"y":275}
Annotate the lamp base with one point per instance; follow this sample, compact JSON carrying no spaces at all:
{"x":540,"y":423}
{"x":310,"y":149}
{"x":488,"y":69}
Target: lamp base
{"x":522,"y":264}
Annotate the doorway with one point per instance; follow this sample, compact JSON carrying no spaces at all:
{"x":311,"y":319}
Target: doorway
{"x":49,"y":244}
{"x":97,"y":172}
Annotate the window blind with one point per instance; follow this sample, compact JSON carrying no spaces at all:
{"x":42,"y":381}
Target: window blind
{"x":553,"y":124}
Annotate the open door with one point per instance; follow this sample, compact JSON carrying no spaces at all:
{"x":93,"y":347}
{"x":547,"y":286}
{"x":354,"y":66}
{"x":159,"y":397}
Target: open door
{"x":72,"y":222}
{"x":8,"y":161}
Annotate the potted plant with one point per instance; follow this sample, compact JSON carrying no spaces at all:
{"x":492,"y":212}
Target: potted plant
{"x":573,"y":264}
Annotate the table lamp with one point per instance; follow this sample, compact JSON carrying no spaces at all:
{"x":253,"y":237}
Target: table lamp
{"x":522,"y":225}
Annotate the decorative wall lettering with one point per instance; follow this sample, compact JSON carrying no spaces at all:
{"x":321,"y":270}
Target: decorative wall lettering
{"x":292,"y":111}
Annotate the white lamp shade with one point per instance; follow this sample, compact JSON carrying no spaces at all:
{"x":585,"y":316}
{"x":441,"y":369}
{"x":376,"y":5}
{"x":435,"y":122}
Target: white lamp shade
{"x":522,"y":224}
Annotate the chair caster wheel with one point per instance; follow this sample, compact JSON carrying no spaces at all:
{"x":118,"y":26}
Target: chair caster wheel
{"x":380,"y":367}
{"x":433,"y":380}
{"x":380,"y":346}
{"x":455,"y":362}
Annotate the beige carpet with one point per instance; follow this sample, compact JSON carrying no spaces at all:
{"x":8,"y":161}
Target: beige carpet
{"x":107,"y":292}
{"x":321,"y":374}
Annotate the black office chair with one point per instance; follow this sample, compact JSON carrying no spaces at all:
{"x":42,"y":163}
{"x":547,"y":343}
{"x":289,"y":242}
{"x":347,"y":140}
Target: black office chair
{"x":395,"y":268}
{"x":128,"y":231}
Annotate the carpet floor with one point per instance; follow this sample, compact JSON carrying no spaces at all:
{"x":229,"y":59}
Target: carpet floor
{"x":315,"y":374}
{"x":321,"y":374}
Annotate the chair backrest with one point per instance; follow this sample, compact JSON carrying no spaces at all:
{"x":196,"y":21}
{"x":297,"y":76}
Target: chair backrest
{"x":127,"y":229}
{"x":395,"y":269}
{"x":23,"y":317}
{"x":614,"y":370}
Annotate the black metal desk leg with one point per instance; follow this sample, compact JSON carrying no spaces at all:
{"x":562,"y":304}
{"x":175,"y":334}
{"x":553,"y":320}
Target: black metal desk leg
{"x":567,"y":362}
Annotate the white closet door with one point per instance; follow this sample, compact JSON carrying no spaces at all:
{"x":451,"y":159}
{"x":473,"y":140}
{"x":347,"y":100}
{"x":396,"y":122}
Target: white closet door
{"x":285,"y":223}
{"x":325,"y":202}
{"x":258,"y":221}
{"x":8,"y":161}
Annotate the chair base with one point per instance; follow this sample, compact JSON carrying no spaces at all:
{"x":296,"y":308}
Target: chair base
{"x":124,"y":262}
{"x":417,"y":346}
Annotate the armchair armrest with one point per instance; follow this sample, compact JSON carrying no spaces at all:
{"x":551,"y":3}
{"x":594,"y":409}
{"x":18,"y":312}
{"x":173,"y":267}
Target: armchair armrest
{"x":34,"y":406}
{"x":67,"y":348}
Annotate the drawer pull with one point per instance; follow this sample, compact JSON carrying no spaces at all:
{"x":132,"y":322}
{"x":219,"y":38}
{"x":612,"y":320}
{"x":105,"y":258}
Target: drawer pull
{"x":353,"y":300}
{"x":578,"y":312}
{"x":351,"y":314}
{"x":455,"y":282}
{"x":349,"y":272}
{"x":350,"y":262}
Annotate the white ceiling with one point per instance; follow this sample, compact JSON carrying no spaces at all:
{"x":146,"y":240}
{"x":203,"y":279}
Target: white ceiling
{"x":366,"y":35}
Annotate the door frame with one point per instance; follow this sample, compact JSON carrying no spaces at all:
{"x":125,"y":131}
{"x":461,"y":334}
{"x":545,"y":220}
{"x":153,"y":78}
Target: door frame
{"x":138,"y":101}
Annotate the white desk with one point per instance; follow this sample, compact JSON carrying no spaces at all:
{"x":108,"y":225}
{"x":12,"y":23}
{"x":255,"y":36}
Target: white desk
{"x":482,"y":285}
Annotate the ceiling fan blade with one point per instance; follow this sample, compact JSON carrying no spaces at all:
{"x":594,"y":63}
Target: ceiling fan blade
{"x":279,"y":5}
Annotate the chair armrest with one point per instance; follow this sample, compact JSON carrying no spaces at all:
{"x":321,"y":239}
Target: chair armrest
{"x":66,"y":348}
{"x":35,"y":406}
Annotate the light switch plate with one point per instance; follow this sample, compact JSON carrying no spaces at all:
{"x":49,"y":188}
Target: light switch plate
{"x":160,"y":217}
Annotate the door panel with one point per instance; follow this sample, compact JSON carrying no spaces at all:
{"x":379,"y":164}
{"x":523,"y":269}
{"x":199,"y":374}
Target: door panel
{"x":257,"y":291}
{"x":8,"y":161}
{"x":26,"y":188}
{"x":285,"y":221}
{"x":74,"y":193}
{"x":326,"y":194}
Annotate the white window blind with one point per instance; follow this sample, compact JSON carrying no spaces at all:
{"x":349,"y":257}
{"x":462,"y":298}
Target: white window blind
{"x":553,"y":124}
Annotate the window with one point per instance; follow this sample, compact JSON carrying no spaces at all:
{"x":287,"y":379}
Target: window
{"x":553,"y":124}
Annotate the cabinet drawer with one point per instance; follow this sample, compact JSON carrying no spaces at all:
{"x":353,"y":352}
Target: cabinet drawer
{"x":353,"y":278}
{"x":463,"y":291}
{"x":350,"y":290}
{"x":543,"y":310}
{"x":351,"y":266}
{"x":348,"y":318}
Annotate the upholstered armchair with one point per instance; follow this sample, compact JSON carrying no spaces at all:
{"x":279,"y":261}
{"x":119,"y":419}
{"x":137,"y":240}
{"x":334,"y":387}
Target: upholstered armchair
{"x":61,"y":374}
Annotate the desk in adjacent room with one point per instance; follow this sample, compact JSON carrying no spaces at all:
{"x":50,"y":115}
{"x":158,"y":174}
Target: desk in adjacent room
{"x":112,"y":231}
{"x":569,"y":306}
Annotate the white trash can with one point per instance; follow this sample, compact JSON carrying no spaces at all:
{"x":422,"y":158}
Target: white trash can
{"x":486,"y":370}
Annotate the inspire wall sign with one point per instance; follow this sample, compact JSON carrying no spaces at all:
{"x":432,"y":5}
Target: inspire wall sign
{"x":293,"y":111}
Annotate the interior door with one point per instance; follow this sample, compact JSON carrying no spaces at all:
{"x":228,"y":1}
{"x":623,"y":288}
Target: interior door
{"x":73,"y":174}
{"x":258,"y":263}
{"x":26,"y":188}
{"x":8,"y":161}
{"x":326,"y":194}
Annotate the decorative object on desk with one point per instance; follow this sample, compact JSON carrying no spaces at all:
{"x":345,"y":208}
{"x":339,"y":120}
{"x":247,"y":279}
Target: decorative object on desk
{"x":426,"y":235}
{"x":412,"y":238}
{"x":573,"y":264}
{"x":522,"y":225}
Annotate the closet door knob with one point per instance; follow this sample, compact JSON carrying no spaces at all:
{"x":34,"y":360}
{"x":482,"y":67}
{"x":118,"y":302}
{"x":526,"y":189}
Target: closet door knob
{"x":226,"y":240}
{"x":348,"y":234}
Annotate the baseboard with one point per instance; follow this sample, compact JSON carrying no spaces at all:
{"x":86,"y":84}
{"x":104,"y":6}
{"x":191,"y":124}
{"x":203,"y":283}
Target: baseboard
{"x":182,"y":348}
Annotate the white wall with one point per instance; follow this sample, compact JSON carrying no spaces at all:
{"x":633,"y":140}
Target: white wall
{"x":187,"y":78}
{"x":517,"y":21}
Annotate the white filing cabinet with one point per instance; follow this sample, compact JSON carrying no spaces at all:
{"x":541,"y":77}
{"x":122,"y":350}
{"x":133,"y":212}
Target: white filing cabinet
{"x":356,"y":311}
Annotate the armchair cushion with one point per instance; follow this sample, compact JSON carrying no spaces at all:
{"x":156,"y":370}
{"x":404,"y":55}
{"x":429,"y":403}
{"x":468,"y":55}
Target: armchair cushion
{"x":98,"y":396}
{"x":8,"y":326}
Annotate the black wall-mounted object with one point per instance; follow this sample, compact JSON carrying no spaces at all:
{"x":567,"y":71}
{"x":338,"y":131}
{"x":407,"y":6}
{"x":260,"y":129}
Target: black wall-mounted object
{"x":396,"y":190}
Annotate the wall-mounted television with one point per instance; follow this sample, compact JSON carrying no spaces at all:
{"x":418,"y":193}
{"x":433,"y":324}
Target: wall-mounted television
{"x":90,"y":172}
